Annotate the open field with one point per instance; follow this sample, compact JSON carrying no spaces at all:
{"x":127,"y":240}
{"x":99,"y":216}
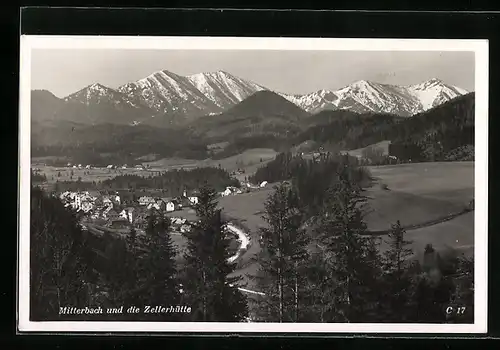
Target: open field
{"x":457,"y":234}
{"x":383,"y":145}
{"x":429,"y":179}
{"x":247,"y":160}
{"x":419,"y":192}
{"x":87,"y":175}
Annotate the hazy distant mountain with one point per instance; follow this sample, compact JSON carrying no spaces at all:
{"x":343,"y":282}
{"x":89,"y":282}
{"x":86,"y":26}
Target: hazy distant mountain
{"x":94,"y":104}
{"x":263,"y":112}
{"x":44,"y":105}
{"x":366,"y":96}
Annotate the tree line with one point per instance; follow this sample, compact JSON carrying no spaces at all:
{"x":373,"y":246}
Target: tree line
{"x":174,"y":182}
{"x":311,"y":177}
{"x":171,"y":183}
{"x":338,"y":274}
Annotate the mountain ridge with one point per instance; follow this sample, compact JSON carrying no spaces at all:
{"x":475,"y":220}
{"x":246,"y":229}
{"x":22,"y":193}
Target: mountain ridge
{"x":368,"y":96}
{"x":165,"y":99}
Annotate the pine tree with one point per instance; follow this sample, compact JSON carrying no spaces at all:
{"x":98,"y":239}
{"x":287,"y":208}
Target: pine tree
{"x":352,"y":257}
{"x":158,"y":266}
{"x":208,"y":289}
{"x":59,"y":269}
{"x":396,"y":278}
{"x":282,"y":258}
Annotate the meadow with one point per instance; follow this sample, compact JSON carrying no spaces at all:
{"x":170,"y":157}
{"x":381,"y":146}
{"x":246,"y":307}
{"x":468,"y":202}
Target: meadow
{"x":248,"y":161}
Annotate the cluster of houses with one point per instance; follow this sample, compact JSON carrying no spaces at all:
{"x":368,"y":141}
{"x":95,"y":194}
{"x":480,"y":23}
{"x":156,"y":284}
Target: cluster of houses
{"x":169,"y":204}
{"x":79,"y":166}
{"x":79,"y":201}
{"x":110,"y":166}
{"x":230,"y":190}
{"x":120,"y":212}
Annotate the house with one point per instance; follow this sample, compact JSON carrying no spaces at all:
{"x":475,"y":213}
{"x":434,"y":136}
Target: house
{"x":128,"y":213}
{"x":178,"y":221}
{"x":170,"y":206}
{"x":109,"y":166}
{"x":185,"y":228}
{"x":226,"y":192}
{"x":193,"y":200}
{"x":154,"y":205}
{"x":263,"y":184}
{"x":145,"y":200}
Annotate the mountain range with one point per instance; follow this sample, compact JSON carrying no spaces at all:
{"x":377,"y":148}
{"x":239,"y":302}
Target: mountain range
{"x":165,"y":98}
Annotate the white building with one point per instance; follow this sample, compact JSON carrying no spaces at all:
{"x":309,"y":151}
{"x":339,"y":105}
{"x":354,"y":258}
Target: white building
{"x":178,"y":221}
{"x":185,"y":228}
{"x":128,"y":213}
{"x":145,"y":200}
{"x":154,"y":205}
{"x":170,"y":206}
{"x":227,"y":192}
{"x":193,"y":200}
{"x":78,"y":200}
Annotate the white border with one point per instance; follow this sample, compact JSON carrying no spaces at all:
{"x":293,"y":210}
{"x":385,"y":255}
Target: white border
{"x":480,"y":47}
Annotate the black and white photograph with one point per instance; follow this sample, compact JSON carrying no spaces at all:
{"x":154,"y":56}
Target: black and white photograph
{"x":202,"y":184}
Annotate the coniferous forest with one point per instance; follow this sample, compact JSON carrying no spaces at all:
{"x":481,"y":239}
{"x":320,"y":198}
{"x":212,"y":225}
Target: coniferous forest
{"x":317,"y":262}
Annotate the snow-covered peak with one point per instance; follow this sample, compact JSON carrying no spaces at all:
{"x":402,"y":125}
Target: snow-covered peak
{"x":433,"y":92}
{"x":223,"y":88}
{"x":369,"y":96}
{"x":93,"y":91}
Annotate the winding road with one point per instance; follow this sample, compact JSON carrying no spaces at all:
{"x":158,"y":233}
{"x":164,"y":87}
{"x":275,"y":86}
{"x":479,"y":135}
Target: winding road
{"x":243,"y":238}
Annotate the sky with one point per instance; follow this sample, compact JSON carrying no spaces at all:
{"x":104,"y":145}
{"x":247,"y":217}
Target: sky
{"x":64,"y":71}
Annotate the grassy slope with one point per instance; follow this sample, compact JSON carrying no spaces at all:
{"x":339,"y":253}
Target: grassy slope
{"x":384,"y":145}
{"x":249,"y":158}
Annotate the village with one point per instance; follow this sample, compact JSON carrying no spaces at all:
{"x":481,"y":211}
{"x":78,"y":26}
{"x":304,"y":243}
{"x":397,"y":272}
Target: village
{"x":122,"y":210}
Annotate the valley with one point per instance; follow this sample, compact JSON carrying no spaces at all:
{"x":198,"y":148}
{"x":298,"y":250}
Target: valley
{"x":132,"y":160}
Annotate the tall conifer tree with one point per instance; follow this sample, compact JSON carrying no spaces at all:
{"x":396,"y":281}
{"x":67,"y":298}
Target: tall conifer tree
{"x":211,"y":293}
{"x":282,"y":258}
{"x":352,"y":257}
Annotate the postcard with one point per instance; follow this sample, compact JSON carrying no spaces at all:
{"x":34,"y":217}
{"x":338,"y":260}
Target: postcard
{"x":263,"y":185}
